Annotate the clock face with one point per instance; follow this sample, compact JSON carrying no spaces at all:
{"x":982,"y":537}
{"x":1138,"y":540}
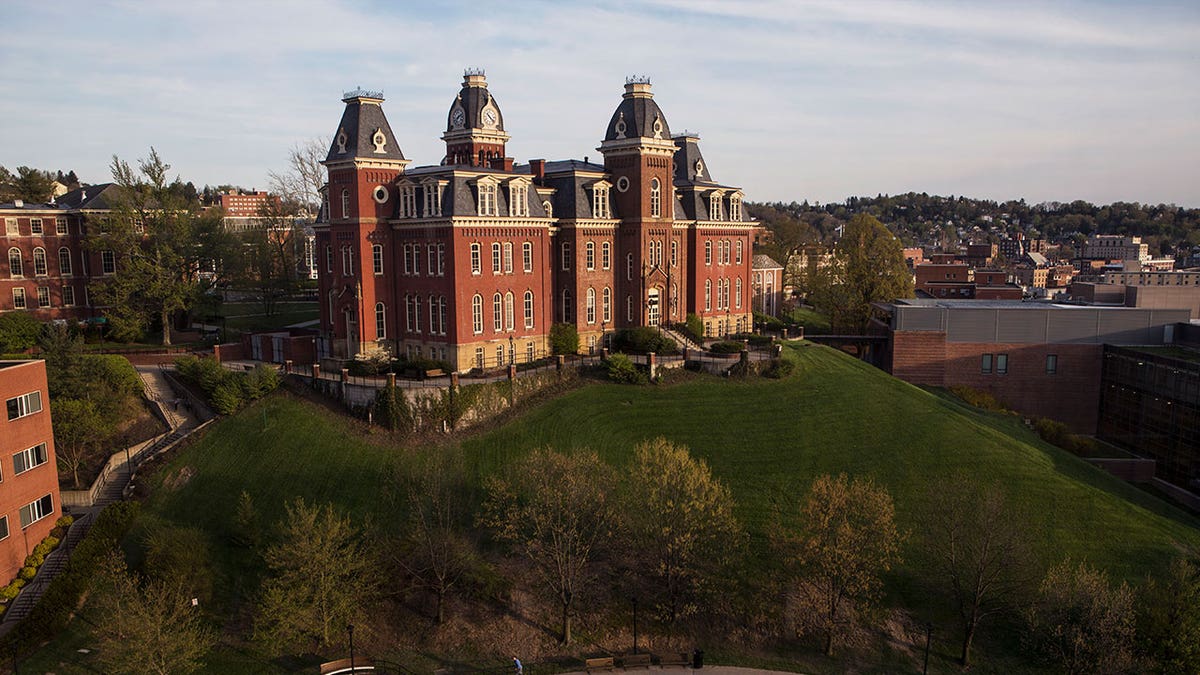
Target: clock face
{"x":457,"y":117}
{"x":489,"y":117}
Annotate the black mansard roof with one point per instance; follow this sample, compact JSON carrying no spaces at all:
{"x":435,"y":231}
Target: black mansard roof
{"x":356,"y":134}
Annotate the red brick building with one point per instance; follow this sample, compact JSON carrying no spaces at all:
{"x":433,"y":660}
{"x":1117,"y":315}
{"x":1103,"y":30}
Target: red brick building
{"x":29,"y":501}
{"x":768,"y":285}
{"x":1037,"y":358}
{"x":471,"y":260}
{"x":46,"y":268}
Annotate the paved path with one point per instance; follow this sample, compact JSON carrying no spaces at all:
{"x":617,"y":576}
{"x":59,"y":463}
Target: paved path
{"x":712,"y":670}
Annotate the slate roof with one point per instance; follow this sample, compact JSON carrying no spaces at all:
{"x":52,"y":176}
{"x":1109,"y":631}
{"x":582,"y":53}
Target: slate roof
{"x":101,"y":197}
{"x":472,"y":98}
{"x":638,"y":111}
{"x":764,"y":262}
{"x":362,"y":117}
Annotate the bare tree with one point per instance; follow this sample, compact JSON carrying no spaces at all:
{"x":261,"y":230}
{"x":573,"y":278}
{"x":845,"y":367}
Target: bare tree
{"x":300,"y":183}
{"x":979,"y":548}
{"x":556,"y":510}
{"x":1081,"y":623}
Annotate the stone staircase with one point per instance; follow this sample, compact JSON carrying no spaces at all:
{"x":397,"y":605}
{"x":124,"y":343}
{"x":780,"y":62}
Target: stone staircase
{"x":55,"y":563}
{"x":680,"y":338}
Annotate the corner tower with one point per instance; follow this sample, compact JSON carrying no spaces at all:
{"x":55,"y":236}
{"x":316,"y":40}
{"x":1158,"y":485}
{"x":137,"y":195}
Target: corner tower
{"x":363,"y":162}
{"x":474,"y":126}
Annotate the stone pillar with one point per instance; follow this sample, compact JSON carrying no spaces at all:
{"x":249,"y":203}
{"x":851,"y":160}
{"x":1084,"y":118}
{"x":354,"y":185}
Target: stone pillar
{"x":345,"y":382}
{"x":391,"y":379}
{"x":560,"y":361}
{"x":652,"y":361}
{"x":316,"y":373}
{"x":217,"y":353}
{"x":287,"y":367}
{"x":801,"y":335}
{"x":604,"y":354}
{"x":453,"y":381}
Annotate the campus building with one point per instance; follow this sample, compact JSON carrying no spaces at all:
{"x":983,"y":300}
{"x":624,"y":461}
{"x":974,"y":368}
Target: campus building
{"x":472,"y":259}
{"x":29,"y":500}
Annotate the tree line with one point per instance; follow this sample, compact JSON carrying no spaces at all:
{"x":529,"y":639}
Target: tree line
{"x":662,"y":529}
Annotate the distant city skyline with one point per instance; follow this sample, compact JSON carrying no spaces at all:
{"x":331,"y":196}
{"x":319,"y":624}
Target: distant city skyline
{"x":816,"y":100}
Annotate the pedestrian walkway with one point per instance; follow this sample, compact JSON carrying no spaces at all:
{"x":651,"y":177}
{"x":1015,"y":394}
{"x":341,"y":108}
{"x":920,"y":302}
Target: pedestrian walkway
{"x":182,"y":421}
{"x":712,"y":670}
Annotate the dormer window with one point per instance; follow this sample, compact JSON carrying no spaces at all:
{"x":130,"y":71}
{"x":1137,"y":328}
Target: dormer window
{"x":655,"y":198}
{"x":735,"y":207}
{"x":487,"y":198}
{"x":433,"y":198}
{"x":600,"y":200}
{"x":518,"y":199}
{"x":548,"y":208}
{"x":408,"y":201}
{"x":714,"y":206}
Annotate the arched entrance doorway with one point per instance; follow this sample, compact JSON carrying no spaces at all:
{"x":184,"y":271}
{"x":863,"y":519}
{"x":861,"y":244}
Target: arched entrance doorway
{"x":652,"y":311}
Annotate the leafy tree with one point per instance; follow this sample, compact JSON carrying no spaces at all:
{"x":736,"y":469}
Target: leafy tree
{"x":268,"y":259}
{"x":18,"y":332}
{"x":246,"y":526}
{"x":682,"y":518}
{"x":161,"y":244}
{"x":33,"y":185}
{"x":564,"y":338}
{"x":180,"y":555}
{"x":556,"y":510}
{"x":435,"y":550}
{"x":845,"y":539}
{"x":301,"y":182}
{"x":149,"y":626}
{"x":1169,"y":619}
{"x":980,"y":550}
{"x":322,"y":577}
{"x":392,"y":410}
{"x":868,"y":266}
{"x":1081,"y":623}
{"x":79,"y":428}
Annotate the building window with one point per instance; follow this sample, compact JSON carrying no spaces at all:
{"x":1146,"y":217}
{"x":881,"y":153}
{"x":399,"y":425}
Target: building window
{"x":496,"y":258}
{"x":68,"y":295}
{"x":35,"y":511}
{"x":477,"y":314}
{"x":29,"y":458}
{"x":60,"y":227}
{"x":433,"y":315}
{"x":566,"y":255}
{"x":737,"y":298}
{"x":714,"y":207}
{"x":433,"y":200}
{"x":590,"y":306}
{"x":674,"y":253}
{"x":476,"y":263}
{"x":347,"y":261}
{"x":408,"y":314}
{"x":548,"y":208}
{"x":329,"y":259}
{"x":442,"y":318}
{"x":377,"y":259}
{"x":629,"y":308}
{"x":14,"y":262}
{"x":380,"y":321}
{"x":735,"y":207}
{"x":479,"y":357}
{"x":431,"y":257}
{"x":408,"y":201}
{"x":487,"y":198}
{"x":3,"y":527}
{"x":345,"y":203}
{"x":606,"y":305}
{"x":509,"y":317}
{"x":655,"y":198}
{"x":1052,"y":364}
{"x":18,"y":298}
{"x":527,"y":257}
{"x":408,"y":258}
{"x":35,"y":226}
{"x":985,"y":364}
{"x":499,"y":355}
{"x":43,"y":295}
{"x":708,"y":294}
{"x":10,"y":227}
{"x":1002,"y":364}
{"x":708,"y":253}
{"x":600,"y":199}
{"x":738,"y":258}
{"x":528,"y":310}
{"x":508,"y":257}
{"x":497,"y":313}
{"x":23,"y":405}
{"x":518,"y":200}
{"x":441,"y":260}
{"x":417,"y":314}
{"x":64,"y":261}
{"x":589,"y":255}
{"x":568,"y":313}
{"x":605,"y":255}
{"x":629,"y":267}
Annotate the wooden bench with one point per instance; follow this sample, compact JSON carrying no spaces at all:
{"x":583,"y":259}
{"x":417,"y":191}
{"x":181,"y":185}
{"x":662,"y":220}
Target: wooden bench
{"x":605,"y":663}
{"x":674,"y":659}
{"x":635,"y":661}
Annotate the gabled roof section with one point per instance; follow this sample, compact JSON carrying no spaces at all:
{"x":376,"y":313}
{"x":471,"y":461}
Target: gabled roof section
{"x":364,"y":131}
{"x":101,"y":197}
{"x":764,"y":262}
{"x":690,"y":166}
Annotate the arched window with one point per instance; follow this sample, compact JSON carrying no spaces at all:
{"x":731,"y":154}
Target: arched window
{"x":674,"y":253}
{"x":605,"y":254}
{"x":589,"y":255}
{"x":708,"y":253}
{"x":477,"y":314}
{"x":64,"y":261}
{"x":433,"y":315}
{"x":14,"y":262}
{"x":508,"y":311}
{"x":497,"y":313}
{"x":528,"y":309}
{"x":345,"y":203}
{"x":508,"y":261}
{"x":590,"y":306}
{"x":655,"y":198}
{"x":416,"y":314}
{"x":708,"y":294}
{"x":377,"y":258}
{"x":39,"y":262}
{"x":737,"y":297}
{"x":476,"y":263}
{"x":606,"y":305}
{"x":629,"y":267}
{"x":629,"y":308}
{"x":380,"y":321}
{"x":738,"y":258}
{"x":442,"y":315}
{"x":567,"y":312}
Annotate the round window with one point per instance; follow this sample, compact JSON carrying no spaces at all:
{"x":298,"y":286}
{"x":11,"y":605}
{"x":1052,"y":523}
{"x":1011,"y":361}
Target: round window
{"x":622,"y":183}
{"x":380,"y":194}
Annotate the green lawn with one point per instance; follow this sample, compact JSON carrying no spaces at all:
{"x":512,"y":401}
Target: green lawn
{"x":813,"y":321}
{"x":245,"y":317}
{"x":759,"y":436}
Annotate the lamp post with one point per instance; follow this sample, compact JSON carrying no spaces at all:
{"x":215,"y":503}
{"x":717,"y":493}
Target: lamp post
{"x":350,"y":629}
{"x":634,"y":601}
{"x":512,"y":350}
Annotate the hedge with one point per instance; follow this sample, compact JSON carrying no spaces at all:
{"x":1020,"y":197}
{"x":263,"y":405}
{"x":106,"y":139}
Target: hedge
{"x":225,"y":389}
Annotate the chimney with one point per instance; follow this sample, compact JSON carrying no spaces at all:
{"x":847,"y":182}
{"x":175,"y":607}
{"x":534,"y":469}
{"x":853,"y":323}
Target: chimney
{"x":537,"y":167}
{"x":19,"y":203}
{"x":502,"y":163}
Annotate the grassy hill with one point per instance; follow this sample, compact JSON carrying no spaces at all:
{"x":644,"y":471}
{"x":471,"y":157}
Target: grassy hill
{"x":834,"y":414}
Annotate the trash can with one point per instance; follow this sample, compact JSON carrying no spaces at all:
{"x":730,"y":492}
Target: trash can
{"x":698,"y":659}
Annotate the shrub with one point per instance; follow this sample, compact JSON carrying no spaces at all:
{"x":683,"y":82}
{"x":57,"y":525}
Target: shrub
{"x":695,"y":327}
{"x":226,"y":397}
{"x":778,"y":368}
{"x":621,"y":369}
{"x":27,"y":573}
{"x":34,"y":560}
{"x":18,"y":332}
{"x":260,"y":381}
{"x":643,"y":340}
{"x":371,"y":361}
{"x":65,"y":521}
{"x":9,"y":592}
{"x":392,"y":410}
{"x":726,"y":347}
{"x":978,"y":398}
{"x":768,"y":321}
{"x":564,"y":339}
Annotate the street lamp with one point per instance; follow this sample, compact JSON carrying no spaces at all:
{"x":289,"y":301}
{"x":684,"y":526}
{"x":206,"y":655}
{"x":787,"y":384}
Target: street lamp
{"x":350,"y":628}
{"x":634,"y":601}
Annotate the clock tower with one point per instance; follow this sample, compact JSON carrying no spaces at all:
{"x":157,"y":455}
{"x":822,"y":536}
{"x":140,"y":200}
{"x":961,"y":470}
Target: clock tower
{"x":474,"y":126}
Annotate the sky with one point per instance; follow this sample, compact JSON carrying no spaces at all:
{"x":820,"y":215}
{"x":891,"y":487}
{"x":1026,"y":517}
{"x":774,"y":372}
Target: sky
{"x":798,"y":100}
